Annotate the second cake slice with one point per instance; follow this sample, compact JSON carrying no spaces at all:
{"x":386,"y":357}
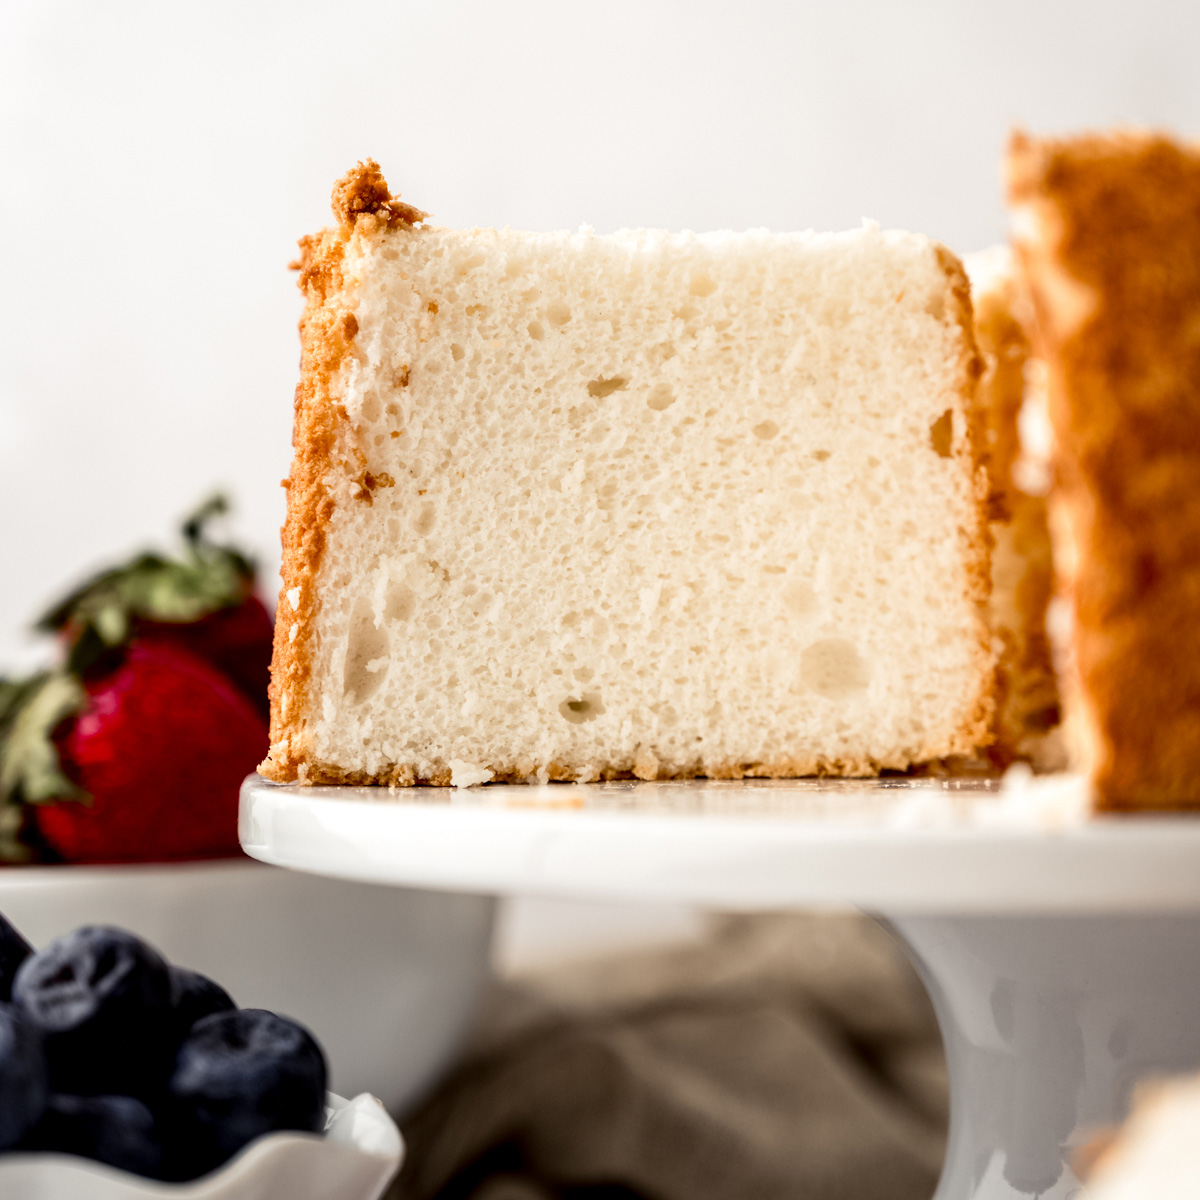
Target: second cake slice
{"x":577,"y":506}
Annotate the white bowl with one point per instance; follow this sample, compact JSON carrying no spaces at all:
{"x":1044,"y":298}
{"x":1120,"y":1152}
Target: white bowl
{"x":355,"y":1160}
{"x":386,"y":978}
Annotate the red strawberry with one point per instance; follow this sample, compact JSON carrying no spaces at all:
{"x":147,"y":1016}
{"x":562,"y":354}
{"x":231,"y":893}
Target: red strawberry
{"x":237,"y":641}
{"x":134,"y":750}
{"x":161,"y":749}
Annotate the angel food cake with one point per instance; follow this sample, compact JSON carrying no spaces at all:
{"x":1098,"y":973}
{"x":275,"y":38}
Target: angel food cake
{"x":570,"y":506}
{"x":1107,"y":229}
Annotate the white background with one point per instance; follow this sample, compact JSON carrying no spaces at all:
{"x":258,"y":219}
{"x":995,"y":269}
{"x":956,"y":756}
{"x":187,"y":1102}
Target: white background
{"x":159,"y":161}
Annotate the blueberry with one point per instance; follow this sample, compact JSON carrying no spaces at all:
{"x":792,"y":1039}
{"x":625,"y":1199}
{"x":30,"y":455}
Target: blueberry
{"x":24,"y":1083}
{"x":102,"y":1001}
{"x":194,"y":996}
{"x":117,"y":1130}
{"x":14,"y":950}
{"x":240,"y":1075}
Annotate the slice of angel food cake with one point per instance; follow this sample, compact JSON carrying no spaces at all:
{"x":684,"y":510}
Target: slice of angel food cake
{"x":1107,"y":231}
{"x":651,"y":505}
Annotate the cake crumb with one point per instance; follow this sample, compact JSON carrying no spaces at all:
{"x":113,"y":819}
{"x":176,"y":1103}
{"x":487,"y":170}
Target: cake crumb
{"x":368,"y":483}
{"x":466,"y":774}
{"x":645,"y":764}
{"x":363,"y":190}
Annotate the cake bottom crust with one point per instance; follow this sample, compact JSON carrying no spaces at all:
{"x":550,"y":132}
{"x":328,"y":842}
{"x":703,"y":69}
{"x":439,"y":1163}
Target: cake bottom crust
{"x":311,"y":774}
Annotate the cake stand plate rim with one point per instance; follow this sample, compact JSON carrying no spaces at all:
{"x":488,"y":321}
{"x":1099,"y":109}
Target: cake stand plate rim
{"x":936,"y":846}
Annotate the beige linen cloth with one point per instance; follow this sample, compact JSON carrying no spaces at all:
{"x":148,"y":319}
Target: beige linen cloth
{"x":783,"y":1057}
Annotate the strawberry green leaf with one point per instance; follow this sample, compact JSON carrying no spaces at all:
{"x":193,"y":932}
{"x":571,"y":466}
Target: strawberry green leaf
{"x":30,"y":769}
{"x":12,"y":823}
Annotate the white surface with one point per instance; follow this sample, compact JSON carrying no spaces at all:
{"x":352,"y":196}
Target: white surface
{"x":163,"y":158}
{"x":386,"y":978}
{"x":534,"y":932}
{"x":361,"y":1152}
{"x":895,"y":846}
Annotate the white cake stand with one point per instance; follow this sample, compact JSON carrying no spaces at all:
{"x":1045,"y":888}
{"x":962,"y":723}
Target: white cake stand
{"x":1061,"y":951}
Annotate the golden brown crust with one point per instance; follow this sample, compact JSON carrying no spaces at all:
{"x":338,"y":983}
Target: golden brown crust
{"x":361,"y":202}
{"x":1027,"y":702}
{"x":976,"y":730}
{"x":1108,"y":233}
{"x":326,"y":335}
{"x":403,"y":774}
{"x":363,"y":191}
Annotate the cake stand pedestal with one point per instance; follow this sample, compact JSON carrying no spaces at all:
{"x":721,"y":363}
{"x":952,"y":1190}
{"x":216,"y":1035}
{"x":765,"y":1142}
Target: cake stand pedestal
{"x":1062,"y":952}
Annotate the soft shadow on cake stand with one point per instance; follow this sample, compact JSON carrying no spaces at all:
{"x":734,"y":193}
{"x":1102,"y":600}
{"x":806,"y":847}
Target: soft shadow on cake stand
{"x":1062,"y":952}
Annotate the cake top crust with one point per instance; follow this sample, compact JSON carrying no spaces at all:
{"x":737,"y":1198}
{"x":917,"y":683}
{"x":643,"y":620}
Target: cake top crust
{"x":364,"y":191}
